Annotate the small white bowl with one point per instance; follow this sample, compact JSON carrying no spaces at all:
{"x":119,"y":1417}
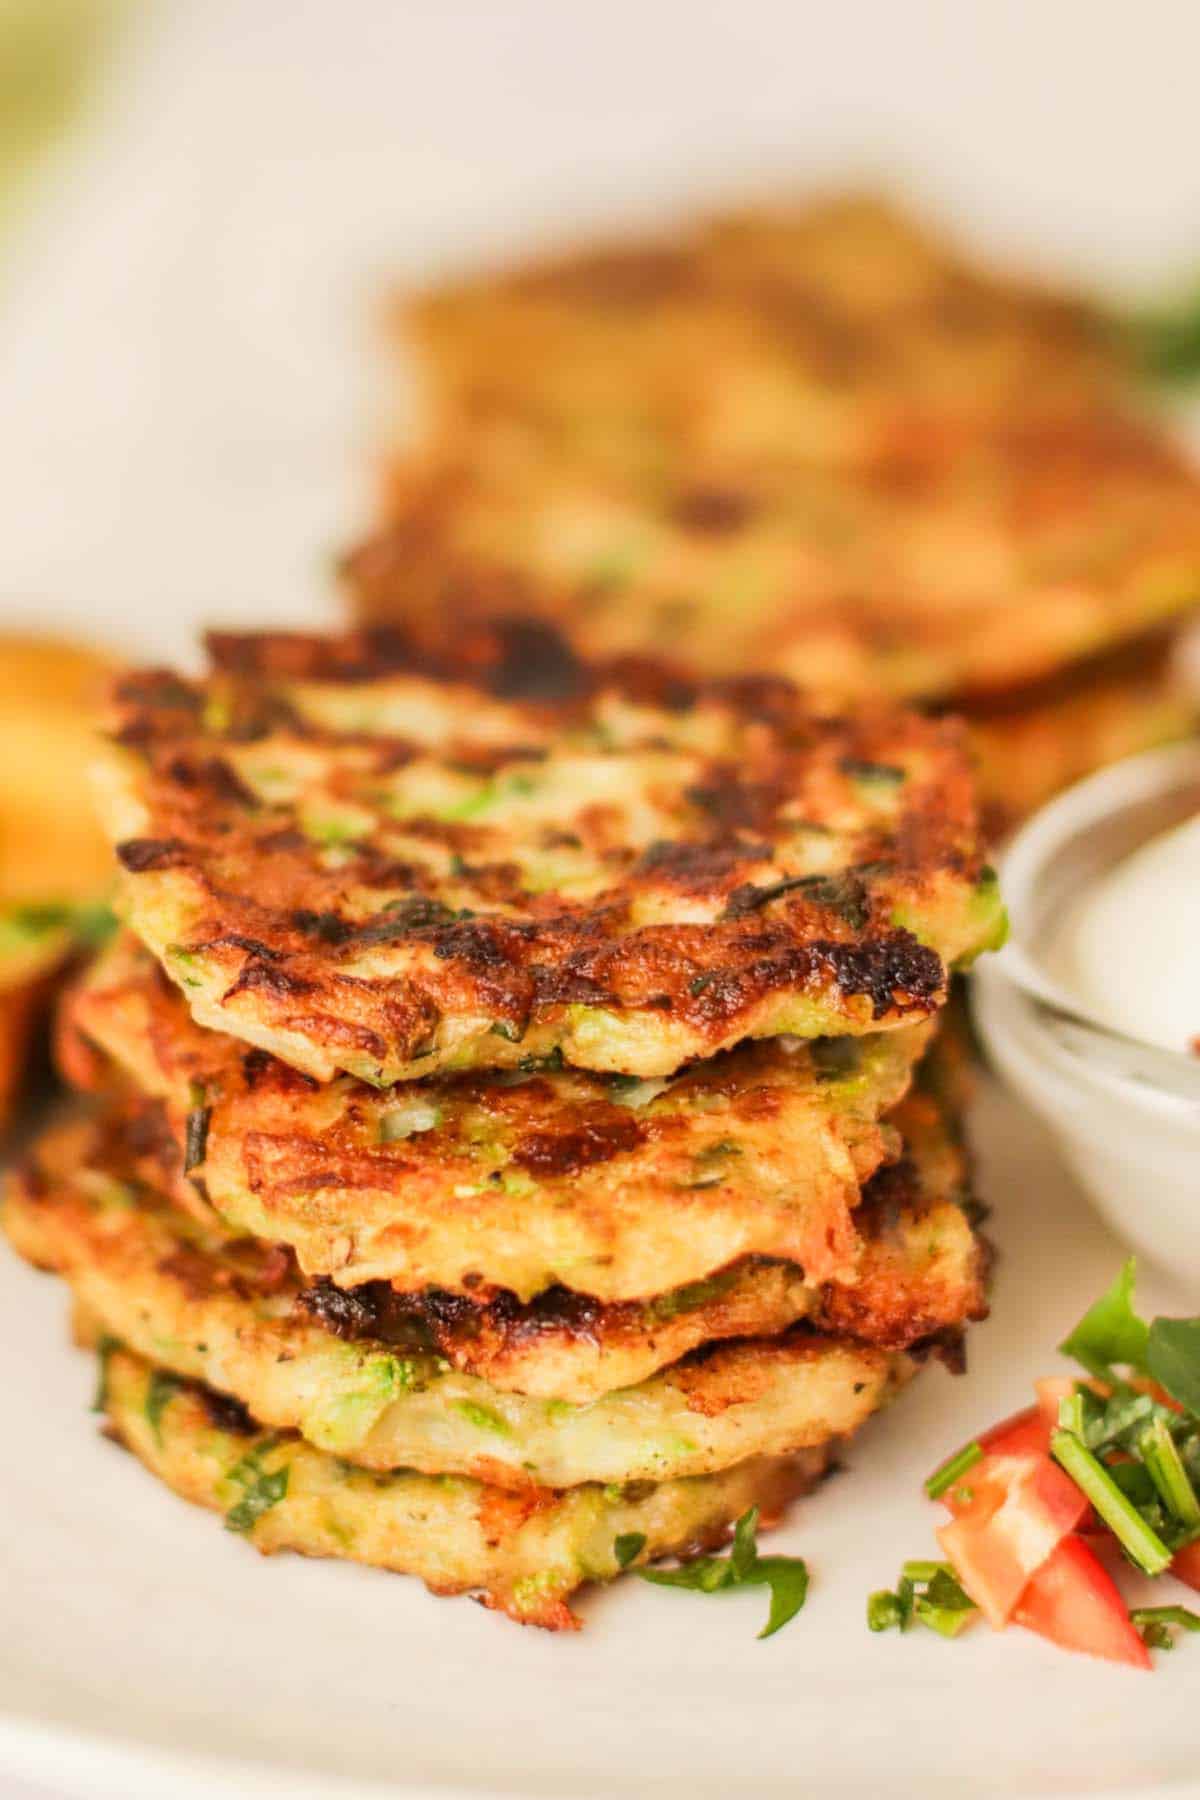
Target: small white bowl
{"x":1126,"y":1114}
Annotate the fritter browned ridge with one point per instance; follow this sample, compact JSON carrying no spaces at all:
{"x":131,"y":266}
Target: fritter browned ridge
{"x":365,"y":853}
{"x":519,"y":1180}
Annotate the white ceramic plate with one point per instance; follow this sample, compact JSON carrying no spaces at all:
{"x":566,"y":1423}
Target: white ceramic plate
{"x":142,"y":1645}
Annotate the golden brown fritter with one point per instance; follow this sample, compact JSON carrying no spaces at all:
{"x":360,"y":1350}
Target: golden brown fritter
{"x":803,"y":333}
{"x":1030,"y":745}
{"x":386,"y":1387}
{"x":563,"y":1343}
{"x":613,"y":1188}
{"x":222,"y":1312}
{"x":523,"y":1554}
{"x":958,"y":564}
{"x":395,"y":854}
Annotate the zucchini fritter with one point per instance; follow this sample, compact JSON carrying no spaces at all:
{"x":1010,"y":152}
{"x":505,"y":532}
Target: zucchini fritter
{"x":523,"y":1554}
{"x":958,"y":564}
{"x":392,"y":854}
{"x":232,"y":1313}
{"x":1098,"y":713}
{"x":802,"y":333}
{"x":518,"y":1181}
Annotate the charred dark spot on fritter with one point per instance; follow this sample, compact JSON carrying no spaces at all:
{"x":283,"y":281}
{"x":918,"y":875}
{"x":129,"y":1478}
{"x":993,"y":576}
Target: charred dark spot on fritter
{"x":259,"y":1067}
{"x":374,"y":1310}
{"x":326,"y":927}
{"x":517,"y":658}
{"x":699,"y":867}
{"x":550,"y":1153}
{"x":568,"y":985}
{"x":535,"y":662}
{"x":213,"y":777}
{"x":713,"y":511}
{"x":157,"y":690}
{"x":227,"y":1414}
{"x":845,"y":895}
{"x":144,"y":1133}
{"x":260,"y":977}
{"x":437,"y":1318}
{"x":484,"y":945}
{"x":238,"y":940}
{"x":400,"y":918}
{"x":141,"y":854}
{"x":733,"y":804}
{"x":895,"y":970}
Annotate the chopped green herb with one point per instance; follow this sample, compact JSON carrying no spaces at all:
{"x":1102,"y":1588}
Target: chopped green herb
{"x":835,"y":1058}
{"x":628,"y":1547}
{"x":884,"y":1611}
{"x":1158,"y":1624}
{"x":786,"y":1576}
{"x":195,"y":1144}
{"x":633,"y":1091}
{"x":104,"y":1351}
{"x":1110,"y":1332}
{"x":160,"y":1391}
{"x":949,"y":1472}
{"x":709,"y":1165}
{"x":483,"y":1418}
{"x":262,"y":1488}
{"x":1173,"y":1360}
{"x":944,"y":1606}
{"x":928,"y":1593}
{"x":1140,"y":1542}
{"x":691,"y":1295}
{"x":93,"y":924}
{"x":1167,"y":340}
{"x":1161,"y":1457}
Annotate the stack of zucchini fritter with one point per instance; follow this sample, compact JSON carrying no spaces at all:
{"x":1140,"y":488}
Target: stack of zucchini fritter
{"x":818,"y":441}
{"x":517,"y":1142}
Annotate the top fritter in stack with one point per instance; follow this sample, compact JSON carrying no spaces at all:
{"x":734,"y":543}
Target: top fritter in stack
{"x":506,"y":1161}
{"x":817,"y":441}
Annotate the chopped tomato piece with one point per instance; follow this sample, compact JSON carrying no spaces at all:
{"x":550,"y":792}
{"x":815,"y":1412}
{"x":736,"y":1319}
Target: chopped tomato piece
{"x":1011,"y":1513}
{"x":1074,"y":1601}
{"x":1028,"y":1430}
{"x":1186,"y":1566}
{"x":1051,"y":1391}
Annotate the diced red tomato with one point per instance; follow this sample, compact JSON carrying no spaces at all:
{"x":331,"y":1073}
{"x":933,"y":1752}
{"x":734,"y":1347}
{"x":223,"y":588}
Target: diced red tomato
{"x":1074,"y":1601}
{"x":1025,"y":1431}
{"x":1051,"y":1391}
{"x":1011,"y":1513}
{"x":1186,"y":1566}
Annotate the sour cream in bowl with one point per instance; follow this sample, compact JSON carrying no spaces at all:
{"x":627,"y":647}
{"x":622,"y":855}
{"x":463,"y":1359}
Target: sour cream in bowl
{"x":1092,"y":1011}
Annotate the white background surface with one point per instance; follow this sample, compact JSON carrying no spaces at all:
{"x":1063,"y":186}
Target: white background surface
{"x":188,"y":396}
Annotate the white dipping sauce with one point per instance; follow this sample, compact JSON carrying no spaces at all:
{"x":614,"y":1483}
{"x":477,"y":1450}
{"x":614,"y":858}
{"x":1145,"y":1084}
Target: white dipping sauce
{"x":1130,"y":950}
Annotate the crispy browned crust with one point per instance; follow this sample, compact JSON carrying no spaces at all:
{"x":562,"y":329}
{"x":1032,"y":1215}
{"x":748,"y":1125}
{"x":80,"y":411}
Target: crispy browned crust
{"x":285,"y":938}
{"x":915,"y":1270}
{"x":959,"y":563}
{"x":517,"y":1181}
{"x":890,"y":1300}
